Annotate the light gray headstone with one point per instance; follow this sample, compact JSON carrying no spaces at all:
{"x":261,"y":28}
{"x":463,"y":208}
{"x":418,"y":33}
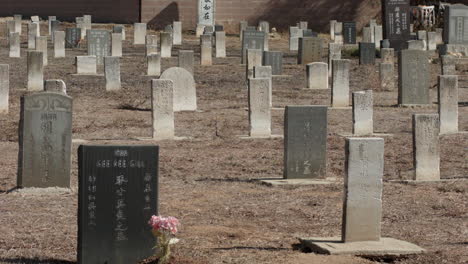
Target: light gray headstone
{"x":154,"y":64}
{"x":4,"y":87}
{"x":334,"y":53}
{"x":49,"y":21}
{"x":294,"y":34}
{"x":456,"y":24}
{"x":32,"y":34}
{"x":339,"y":32}
{"x":259,"y":107}
{"x":340,"y":84}
{"x":139,"y":33}
{"x":151,"y":49}
{"x":387,"y":76}
{"x":387,"y":55}
{"x":264,"y":72}
{"x":99,"y":44}
{"x":206,"y":47}
{"x":72,"y":37}
{"x":275,"y":60}
{"x":18,"y":23}
{"x":15,"y":49}
{"x":35,"y":71}
{"x":55,"y":26}
{"x":185,"y":94}
{"x":378,"y":36}
{"x":422,"y":35}
{"x":112,"y":73}
{"x":41,"y":45}
{"x":86,"y":65}
{"x":317,"y":75}
{"x":162,"y":102}
{"x":166,"y":44}
{"x":367,"y":35}
{"x":206,"y":12}
{"x":448,"y":64}
{"x":119,"y":29}
{"x":362,"y":212}
{"x":10,"y":28}
{"x":303,"y":25}
{"x":448,"y":103}
{"x":254,"y":58}
{"x":177,"y":33}
{"x":431,"y":41}
{"x":332,"y":29}
{"x":34,"y":18}
{"x":363,"y":114}
{"x":59,"y":44}
{"x":200,"y":29}
{"x":220,"y":39}
{"x":186,"y":60}
{"x":426,"y":147}
{"x":416,"y":45}
{"x":56,"y":85}
{"x":116,"y":45}
{"x":310,"y":50}
{"x":413,"y":84}
{"x":45,"y":140}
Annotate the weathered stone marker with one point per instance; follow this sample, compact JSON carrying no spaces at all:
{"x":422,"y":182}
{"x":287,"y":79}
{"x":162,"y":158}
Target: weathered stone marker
{"x":396,"y":22}
{"x":387,"y":76}
{"x":99,"y":44}
{"x":41,"y":45}
{"x":18,"y":23}
{"x":413,"y":69}
{"x":35,"y":71}
{"x":339,"y":32}
{"x":206,"y":47}
{"x":32,"y":34}
{"x":162,"y":101}
{"x":340,"y":86}
{"x":367,"y":35}
{"x":86,"y":65}
{"x":177,"y":33}
{"x":139,"y":33}
{"x":55,"y":26}
{"x":378,"y":36}
{"x":116,"y":46}
{"x":49,"y":22}
{"x":366,"y":53}
{"x":15,"y":49}
{"x":4,"y":87}
{"x":72,"y":37}
{"x":151,"y":40}
{"x":349,"y":32}
{"x":265,"y":72}
{"x":416,"y":45}
{"x":119,"y":29}
{"x":259,"y":107}
{"x":206,"y":12}
{"x":422,"y":35}
{"x":45,"y":140}
{"x":448,"y":103}
{"x":332,"y":29}
{"x":448,"y":65}
{"x":363,"y":114}
{"x":59,"y":44}
{"x":294,"y":34}
{"x":186,"y":60}
{"x":305,"y":142}
{"x":118,"y":193}
{"x":334,"y":53}
{"x":310,"y":50}
{"x":275,"y":60}
{"x":387,"y":55}
{"x":154,"y":64}
{"x":456,"y":24}
{"x":55,"y":85}
{"x":426,"y":149}
{"x":251,"y":40}
{"x":317,"y":75}
{"x":112,"y":73}
{"x":431,"y":41}
{"x":220,"y":39}
{"x":185,"y":94}
{"x":254,"y":58}
{"x":166,"y":45}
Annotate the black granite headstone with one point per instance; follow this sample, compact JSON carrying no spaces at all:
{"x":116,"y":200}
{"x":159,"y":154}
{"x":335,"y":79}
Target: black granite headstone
{"x":366,"y":53}
{"x":252,"y":40}
{"x":72,"y":37}
{"x":396,"y":22}
{"x":349,"y":32}
{"x":118,"y":194}
{"x":310,"y":50}
{"x":305,"y":142}
{"x":275,"y":60}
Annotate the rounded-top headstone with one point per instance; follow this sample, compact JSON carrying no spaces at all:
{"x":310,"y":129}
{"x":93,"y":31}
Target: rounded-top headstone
{"x":55,"y":86}
{"x":185,"y":95}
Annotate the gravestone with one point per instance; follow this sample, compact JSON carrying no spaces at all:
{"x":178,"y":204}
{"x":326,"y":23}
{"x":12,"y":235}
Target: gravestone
{"x":317,"y":75}
{"x":151,"y":40}
{"x":251,"y":40}
{"x":367,"y":35}
{"x":363,"y":120}
{"x":310,"y":50}
{"x":349,"y":32}
{"x":220,"y":41}
{"x":162,"y":105}
{"x":305,"y":142}
{"x":35,"y":71}
{"x":186,"y":60}
{"x":416,"y":45}
{"x":396,"y":22}
{"x":112,"y":73}
{"x":166,"y":44}
{"x":80,"y":25}
{"x":431,"y":41}
{"x":339,"y":32}
{"x":18,"y":23}
{"x":242,"y":26}
{"x":4,"y":87}
{"x":139,"y":33}
{"x":448,"y":103}
{"x":308,"y":33}
{"x":206,"y":12}
{"x":259,"y":107}
{"x":456,"y":24}
{"x":99,"y":44}
{"x":334,"y":53}
{"x":422,"y":35}
{"x":275,"y":60}
{"x":185,"y":94}
{"x":151,"y":49}
{"x":387,"y":76}
{"x":254,"y":58}
{"x":10,"y":28}
{"x":41,"y":45}
{"x":264,"y":26}
{"x":15,"y":49}
{"x":72,"y":38}
{"x":340,"y":84}
{"x":294,"y":34}
{"x":366,"y":53}
{"x":54,"y":26}
{"x":387,"y":55}
{"x":34,"y":18}
{"x":332,"y":29}
{"x":116,"y":45}
{"x":413,"y":70}
{"x":154,"y":64}
{"x":59,"y":44}
{"x":378,"y":36}
{"x":372,"y":25}
{"x":206,"y":47}
{"x":439,"y":38}
{"x":118,"y":194}
{"x":448,"y":65}
{"x":45,"y":140}
{"x":426,"y":149}
{"x":208,"y":30}
{"x":32,"y":34}
{"x":264,"y":72}
{"x":55,"y":85}
{"x":303,"y":25}
{"x":86,"y":65}
{"x":362,"y":212}
{"x":119,"y":29}
{"x":177,"y":33}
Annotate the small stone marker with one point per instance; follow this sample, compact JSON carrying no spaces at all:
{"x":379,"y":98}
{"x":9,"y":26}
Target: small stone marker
{"x":206,"y":47}
{"x":362,"y":212}
{"x":49,"y":22}
{"x":35,"y":71}
{"x":15,"y":49}
{"x":339,"y":32}
{"x":396,"y":16}
{"x":86,"y":65}
{"x":310,"y":50}
{"x":220,"y":39}
{"x":119,"y":29}
{"x":32,"y":34}
{"x":254,"y":58}
{"x":151,"y":40}
{"x":416,"y":45}
{"x":340,"y":86}
{"x":366,"y":53}
{"x":367,"y":35}
{"x":264,"y":26}
{"x":55,"y":26}
{"x":305,"y":142}
{"x":378,"y":36}
{"x":448,"y":64}
{"x":387,"y":55}
{"x":41,"y":45}
{"x":166,"y":45}
{"x":264,"y":72}
{"x":99,"y":44}
{"x":372,"y":25}
{"x":4,"y":87}
{"x":259,"y":107}
{"x":387,"y":77}
{"x":139,"y":33}
{"x":334,"y":53}
{"x":162,"y":96}
{"x":57,"y":86}
{"x":118,"y":193}
{"x":349,"y":32}
{"x":72,"y":37}
{"x":426,"y":147}
{"x":294,"y":34}
{"x":116,"y":46}
{"x":59,"y":44}
{"x":332,"y":29}
{"x":422,"y":35}
{"x":439,"y":36}
{"x":448,"y":103}
{"x":317,"y":75}
{"x":186,"y":60}
{"x":303,"y":25}
{"x":45,"y":140}
{"x":455,"y":24}
{"x":112,"y":73}
{"x":18,"y":23}
{"x":413,"y":69}
{"x":431,"y":41}
{"x":242,"y":26}
{"x":177,"y":33}
{"x":154,"y":64}
{"x":363,"y":114}
{"x":185,"y":94}
{"x":252,"y":40}
{"x":35,"y":18}
{"x":275,"y":60}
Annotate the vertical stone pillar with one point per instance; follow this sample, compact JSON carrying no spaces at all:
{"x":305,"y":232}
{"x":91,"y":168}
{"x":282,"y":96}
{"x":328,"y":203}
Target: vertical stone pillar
{"x":41,"y":45}
{"x":259,"y":108}
{"x":35,"y":71}
{"x":387,"y":76}
{"x":334,"y":53}
{"x":206,"y":49}
{"x":317,"y":75}
{"x":363,"y":114}
{"x":166,"y":44}
{"x":426,"y":149}
{"x":186,"y":60}
{"x":332,"y":29}
{"x":86,"y":65}
{"x":162,"y":102}
{"x":4,"y":87}
{"x":340,"y":86}
{"x":387,"y":55}
{"x":220,"y":39}
{"x":254,"y":58}
{"x":59,"y":44}
{"x":116,"y":46}
{"x":177,"y":31}
{"x":112,"y":73}
{"x":15,"y":49}
{"x":265,"y":72}
{"x":139,"y":33}
{"x":32,"y":34}
{"x":448,"y":103}
{"x":154,"y":64}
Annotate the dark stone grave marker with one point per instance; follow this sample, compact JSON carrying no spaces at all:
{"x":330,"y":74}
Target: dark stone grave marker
{"x":252,"y":40}
{"x":366,"y":53}
{"x":275,"y":60}
{"x":310,"y":50}
{"x":72,"y":37}
{"x":396,"y":22}
{"x":99,"y":44}
{"x":349,"y":32}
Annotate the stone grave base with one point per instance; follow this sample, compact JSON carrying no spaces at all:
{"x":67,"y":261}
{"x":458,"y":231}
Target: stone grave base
{"x":79,"y":141}
{"x":281,"y":181}
{"x":156,"y":139}
{"x":85,"y":74}
{"x":385,"y":247}
{"x":340,"y":107}
{"x":371,"y":135}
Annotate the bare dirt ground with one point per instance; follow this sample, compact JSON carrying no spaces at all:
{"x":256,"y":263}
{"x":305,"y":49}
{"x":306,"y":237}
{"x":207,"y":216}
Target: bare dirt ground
{"x":207,"y":182}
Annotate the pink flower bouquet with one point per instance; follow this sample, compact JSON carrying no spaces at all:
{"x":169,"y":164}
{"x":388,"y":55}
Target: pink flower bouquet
{"x":163,"y":228}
